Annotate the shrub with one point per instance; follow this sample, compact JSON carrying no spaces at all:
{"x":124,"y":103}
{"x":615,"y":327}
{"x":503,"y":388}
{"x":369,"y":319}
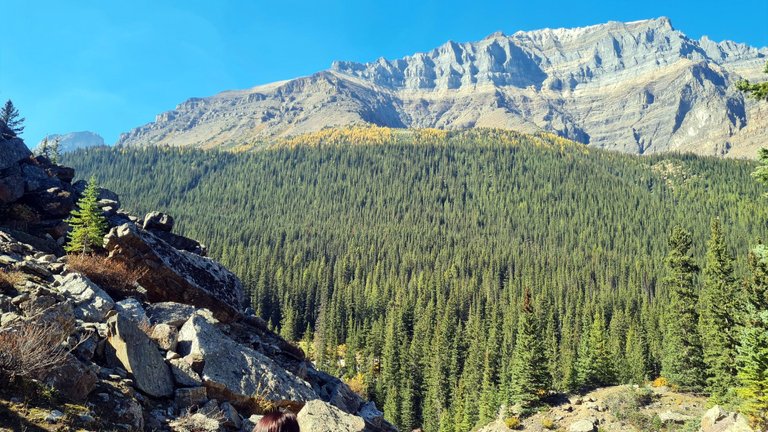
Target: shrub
{"x":8,"y":279}
{"x":358,"y":385}
{"x":547,"y":423}
{"x":626,"y":403}
{"x":512,"y":422}
{"x":660,"y":382}
{"x":112,"y":275}
{"x":29,"y":350}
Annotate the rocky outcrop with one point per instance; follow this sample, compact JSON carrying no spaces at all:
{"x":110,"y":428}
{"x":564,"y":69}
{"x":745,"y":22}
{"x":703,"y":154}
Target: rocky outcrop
{"x":72,"y":141}
{"x":237,"y":373}
{"x":172,"y":274}
{"x":319,"y":416}
{"x":718,"y":420}
{"x":638,"y":87}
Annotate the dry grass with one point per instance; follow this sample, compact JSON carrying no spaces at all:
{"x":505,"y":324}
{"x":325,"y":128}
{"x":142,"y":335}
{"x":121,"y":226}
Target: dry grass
{"x":8,"y":279}
{"x":112,"y":275}
{"x":29,"y":350}
{"x":197,"y":422}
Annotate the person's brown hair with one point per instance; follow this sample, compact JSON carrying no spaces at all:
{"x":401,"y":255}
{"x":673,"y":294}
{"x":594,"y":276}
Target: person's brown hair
{"x":278,"y":422}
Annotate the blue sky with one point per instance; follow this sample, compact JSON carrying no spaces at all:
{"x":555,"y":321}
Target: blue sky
{"x":109,"y":66}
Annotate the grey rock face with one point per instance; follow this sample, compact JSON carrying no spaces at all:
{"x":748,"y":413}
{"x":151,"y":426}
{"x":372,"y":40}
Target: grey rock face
{"x":12,"y":151}
{"x":91,"y":303}
{"x":319,"y":416}
{"x":638,"y":87}
{"x":136,"y":353}
{"x":718,"y":420}
{"x":178,"y":275}
{"x":237,"y":373}
{"x":133,"y":309}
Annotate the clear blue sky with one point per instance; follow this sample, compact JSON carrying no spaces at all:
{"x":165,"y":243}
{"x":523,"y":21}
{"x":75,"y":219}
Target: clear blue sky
{"x":109,"y":66}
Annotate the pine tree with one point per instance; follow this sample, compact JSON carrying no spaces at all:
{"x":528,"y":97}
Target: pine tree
{"x":682,"y":363}
{"x":10,"y":116}
{"x":594,"y":366}
{"x":529,"y":364}
{"x":752,"y":351}
{"x":718,"y":309}
{"x":758,"y":91}
{"x":636,"y":354}
{"x":87,"y":222}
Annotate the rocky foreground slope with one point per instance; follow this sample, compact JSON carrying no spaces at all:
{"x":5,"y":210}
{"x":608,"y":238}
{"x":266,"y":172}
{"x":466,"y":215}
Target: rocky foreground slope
{"x":639,"y":87}
{"x":154,"y":336}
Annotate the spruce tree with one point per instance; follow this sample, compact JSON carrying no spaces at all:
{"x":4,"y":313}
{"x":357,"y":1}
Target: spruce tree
{"x":752,"y":352}
{"x":10,"y":116}
{"x":718,"y":309}
{"x":529,"y":364}
{"x":594,"y":366}
{"x":87,"y":222}
{"x":682,"y":362}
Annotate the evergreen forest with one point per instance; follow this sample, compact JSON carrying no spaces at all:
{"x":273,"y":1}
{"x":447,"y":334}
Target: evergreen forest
{"x":454,"y":276}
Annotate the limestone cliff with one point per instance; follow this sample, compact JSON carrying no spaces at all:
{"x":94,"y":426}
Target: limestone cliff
{"x":639,"y":87}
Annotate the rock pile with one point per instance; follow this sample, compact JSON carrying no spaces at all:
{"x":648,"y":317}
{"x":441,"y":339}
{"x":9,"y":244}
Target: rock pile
{"x":178,"y":349}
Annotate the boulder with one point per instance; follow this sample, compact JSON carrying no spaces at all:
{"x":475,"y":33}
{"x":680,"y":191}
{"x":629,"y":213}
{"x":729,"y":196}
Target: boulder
{"x":174,"y":275}
{"x":133,"y":309}
{"x":669,"y":417}
{"x":231,"y":417}
{"x":91,"y":303}
{"x":11,"y":189}
{"x":156,"y":221}
{"x":374,"y":419}
{"x":171,"y":313}
{"x":183,"y":374}
{"x":165,"y":336}
{"x":72,"y":379}
{"x":585,"y":425}
{"x":129,"y":347}
{"x":237,"y":373}
{"x":182,"y":243}
{"x":190,"y":397}
{"x":718,"y":420}
{"x":712,"y":416}
{"x":197,"y":422}
{"x":12,"y":151}
{"x":319,"y":416}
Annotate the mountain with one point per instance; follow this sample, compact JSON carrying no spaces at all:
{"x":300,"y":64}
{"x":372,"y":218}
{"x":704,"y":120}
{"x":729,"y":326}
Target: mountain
{"x":638,"y":87}
{"x":75,"y":140}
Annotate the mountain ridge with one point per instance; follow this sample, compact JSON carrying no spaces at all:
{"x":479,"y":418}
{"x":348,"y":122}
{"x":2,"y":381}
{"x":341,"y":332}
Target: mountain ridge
{"x":637,"y":87}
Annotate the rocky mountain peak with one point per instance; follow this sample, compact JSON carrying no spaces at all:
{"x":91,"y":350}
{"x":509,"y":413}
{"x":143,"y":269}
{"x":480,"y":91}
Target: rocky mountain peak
{"x":639,"y":87}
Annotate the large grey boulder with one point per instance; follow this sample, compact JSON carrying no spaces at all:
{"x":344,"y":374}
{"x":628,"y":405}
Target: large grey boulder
{"x":158,"y":221}
{"x":72,"y":379}
{"x":718,"y":420}
{"x":129,"y":347}
{"x":133,"y":309}
{"x":91,"y":303}
{"x":237,"y":373}
{"x":585,"y":425}
{"x":174,"y":275}
{"x":171,"y":313}
{"x":319,"y":416}
{"x":12,"y":151}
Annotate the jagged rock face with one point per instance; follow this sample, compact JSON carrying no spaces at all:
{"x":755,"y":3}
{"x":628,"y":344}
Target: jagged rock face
{"x":640,"y":87}
{"x":177,"y":275}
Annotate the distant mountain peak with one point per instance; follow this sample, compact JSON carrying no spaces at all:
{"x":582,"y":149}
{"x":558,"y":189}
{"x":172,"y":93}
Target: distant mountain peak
{"x":639,"y":87}
{"x":74,"y":140}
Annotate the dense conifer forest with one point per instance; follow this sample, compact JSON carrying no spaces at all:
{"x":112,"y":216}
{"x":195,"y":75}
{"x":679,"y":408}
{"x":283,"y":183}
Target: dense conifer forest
{"x":450,"y":275}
